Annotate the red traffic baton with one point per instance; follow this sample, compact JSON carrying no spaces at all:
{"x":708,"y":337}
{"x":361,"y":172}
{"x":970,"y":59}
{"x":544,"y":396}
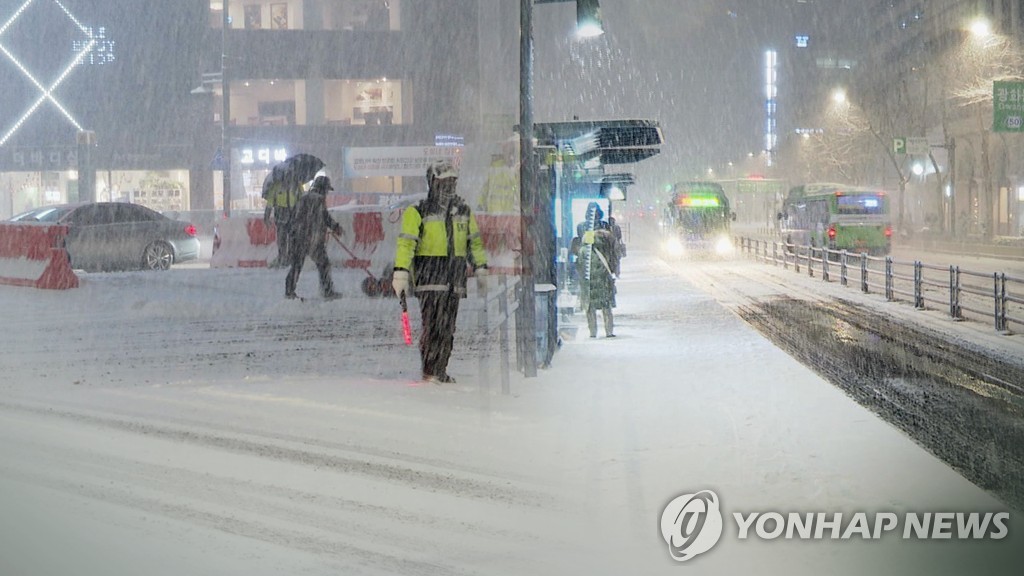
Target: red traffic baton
{"x":406,"y":327}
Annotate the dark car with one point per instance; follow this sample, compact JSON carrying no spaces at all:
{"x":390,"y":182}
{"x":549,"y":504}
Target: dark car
{"x":119,"y":236}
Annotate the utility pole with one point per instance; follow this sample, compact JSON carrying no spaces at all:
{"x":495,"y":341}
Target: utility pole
{"x":86,"y":140}
{"x":225,"y":114}
{"x":526,"y":317}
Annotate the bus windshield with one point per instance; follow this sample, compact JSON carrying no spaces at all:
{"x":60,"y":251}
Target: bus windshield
{"x":702,"y":221}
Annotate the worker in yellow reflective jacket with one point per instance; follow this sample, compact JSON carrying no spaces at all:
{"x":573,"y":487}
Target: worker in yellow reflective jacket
{"x":438,"y":242}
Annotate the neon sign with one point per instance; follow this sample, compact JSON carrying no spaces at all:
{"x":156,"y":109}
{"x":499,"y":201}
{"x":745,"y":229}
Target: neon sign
{"x":83,"y":50}
{"x":263,"y":156}
{"x":697,"y":201}
{"x":102,"y":50}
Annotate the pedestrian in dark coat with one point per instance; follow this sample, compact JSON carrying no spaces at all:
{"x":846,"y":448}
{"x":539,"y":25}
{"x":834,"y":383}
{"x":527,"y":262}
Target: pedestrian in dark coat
{"x":281,"y":198}
{"x":597,"y":285}
{"x":309,"y":230}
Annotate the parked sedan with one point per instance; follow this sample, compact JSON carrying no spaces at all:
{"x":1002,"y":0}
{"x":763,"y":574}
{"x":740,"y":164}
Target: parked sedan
{"x":119,"y":236}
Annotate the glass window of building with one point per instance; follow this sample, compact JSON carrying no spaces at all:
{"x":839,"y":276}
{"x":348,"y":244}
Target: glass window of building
{"x":353,"y":102}
{"x":366,"y":102}
{"x":368,"y":15}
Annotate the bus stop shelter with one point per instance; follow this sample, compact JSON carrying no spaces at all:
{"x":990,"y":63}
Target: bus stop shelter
{"x":575,"y":161}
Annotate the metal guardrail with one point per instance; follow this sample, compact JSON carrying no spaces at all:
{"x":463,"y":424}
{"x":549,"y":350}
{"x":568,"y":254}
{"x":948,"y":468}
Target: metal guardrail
{"x":495,"y":313}
{"x":992,"y":295}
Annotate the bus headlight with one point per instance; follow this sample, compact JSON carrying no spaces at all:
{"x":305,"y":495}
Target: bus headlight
{"x":723,"y":246}
{"x":673,"y":246}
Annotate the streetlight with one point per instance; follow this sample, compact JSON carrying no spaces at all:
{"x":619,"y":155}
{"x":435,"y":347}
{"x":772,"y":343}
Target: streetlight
{"x":225,"y":113}
{"x":223,"y":158}
{"x":588,"y":24}
{"x":981,"y":28}
{"x":588,"y":19}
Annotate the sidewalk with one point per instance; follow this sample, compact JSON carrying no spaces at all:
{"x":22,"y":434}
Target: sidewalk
{"x":688,"y":397}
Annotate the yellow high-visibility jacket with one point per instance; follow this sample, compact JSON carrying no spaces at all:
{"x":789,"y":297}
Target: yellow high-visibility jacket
{"x":282,"y":196}
{"x":501,"y":190}
{"x":437,"y":245}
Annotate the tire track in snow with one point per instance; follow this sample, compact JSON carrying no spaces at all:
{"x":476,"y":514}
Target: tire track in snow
{"x":402,"y":474}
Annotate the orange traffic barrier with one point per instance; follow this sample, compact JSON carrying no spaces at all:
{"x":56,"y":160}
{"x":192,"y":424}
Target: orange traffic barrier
{"x":34,"y":255}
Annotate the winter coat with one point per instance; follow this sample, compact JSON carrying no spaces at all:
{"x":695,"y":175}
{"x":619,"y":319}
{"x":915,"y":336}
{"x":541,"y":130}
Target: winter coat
{"x":437,"y":245}
{"x":597,"y":291}
{"x":311,"y":222}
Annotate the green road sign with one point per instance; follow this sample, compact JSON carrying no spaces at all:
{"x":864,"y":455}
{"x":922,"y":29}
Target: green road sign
{"x":755,"y":186}
{"x":1008,"y":106}
{"x":899,"y":145}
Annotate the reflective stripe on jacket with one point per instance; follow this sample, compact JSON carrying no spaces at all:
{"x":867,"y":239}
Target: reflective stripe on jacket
{"x":437,"y":245}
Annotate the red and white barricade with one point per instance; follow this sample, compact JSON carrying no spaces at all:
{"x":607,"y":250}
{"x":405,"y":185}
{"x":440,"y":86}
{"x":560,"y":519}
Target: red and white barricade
{"x":34,"y":255}
{"x":368,"y":242}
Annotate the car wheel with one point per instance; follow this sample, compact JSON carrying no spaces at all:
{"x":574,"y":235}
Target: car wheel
{"x":157,"y":256}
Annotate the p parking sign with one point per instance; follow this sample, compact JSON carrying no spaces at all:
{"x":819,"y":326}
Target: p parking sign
{"x":899,"y":145}
{"x":1008,"y":106}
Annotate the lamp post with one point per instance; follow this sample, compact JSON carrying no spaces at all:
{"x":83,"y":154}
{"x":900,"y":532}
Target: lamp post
{"x":222,"y":160}
{"x":588,"y":23}
{"x":225,"y":114}
{"x":950,"y":147}
{"x":526,"y":313}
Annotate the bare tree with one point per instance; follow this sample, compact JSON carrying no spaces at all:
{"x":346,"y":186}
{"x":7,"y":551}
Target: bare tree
{"x":839,"y":150}
{"x":886,"y":106}
{"x":968,"y":72}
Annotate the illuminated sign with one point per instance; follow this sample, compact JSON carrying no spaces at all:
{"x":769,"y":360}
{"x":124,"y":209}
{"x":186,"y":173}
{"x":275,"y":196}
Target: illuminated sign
{"x":22,"y":159}
{"x":449,"y":140}
{"x":397,"y":160}
{"x":262,"y":156}
{"x":98,"y":48}
{"x":697,"y":201}
{"x":83,"y":49}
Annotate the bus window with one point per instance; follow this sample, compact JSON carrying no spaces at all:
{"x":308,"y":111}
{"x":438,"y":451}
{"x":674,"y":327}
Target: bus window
{"x":859,"y":204}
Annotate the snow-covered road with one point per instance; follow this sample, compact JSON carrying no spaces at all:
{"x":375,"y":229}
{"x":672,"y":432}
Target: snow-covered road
{"x":195,"y":422}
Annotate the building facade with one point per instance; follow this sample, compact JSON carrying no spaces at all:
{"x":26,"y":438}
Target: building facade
{"x":145,"y":94}
{"x":941,"y":57}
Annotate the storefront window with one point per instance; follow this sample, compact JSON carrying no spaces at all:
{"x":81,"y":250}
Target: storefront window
{"x":368,"y":15}
{"x":365,"y":102}
{"x":161,"y":190}
{"x":268,"y":103}
{"x":378,"y":102}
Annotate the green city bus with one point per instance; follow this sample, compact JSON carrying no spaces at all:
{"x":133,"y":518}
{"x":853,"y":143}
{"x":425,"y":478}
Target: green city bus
{"x":697,"y":219}
{"x":838,"y":217}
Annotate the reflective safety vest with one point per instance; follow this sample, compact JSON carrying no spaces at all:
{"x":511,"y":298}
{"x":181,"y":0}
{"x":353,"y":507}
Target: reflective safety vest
{"x":501,"y":190}
{"x":436,"y":245}
{"x":280,"y":196}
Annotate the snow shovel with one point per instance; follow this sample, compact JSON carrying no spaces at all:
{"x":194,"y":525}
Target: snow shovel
{"x":406,"y":327}
{"x":372,"y":286}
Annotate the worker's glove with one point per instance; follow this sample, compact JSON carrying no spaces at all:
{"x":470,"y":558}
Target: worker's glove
{"x":481,"y":282}
{"x":400,"y":282}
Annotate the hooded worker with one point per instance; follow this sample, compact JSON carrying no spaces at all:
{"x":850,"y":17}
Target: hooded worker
{"x":308,"y":237}
{"x":438,"y":242}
